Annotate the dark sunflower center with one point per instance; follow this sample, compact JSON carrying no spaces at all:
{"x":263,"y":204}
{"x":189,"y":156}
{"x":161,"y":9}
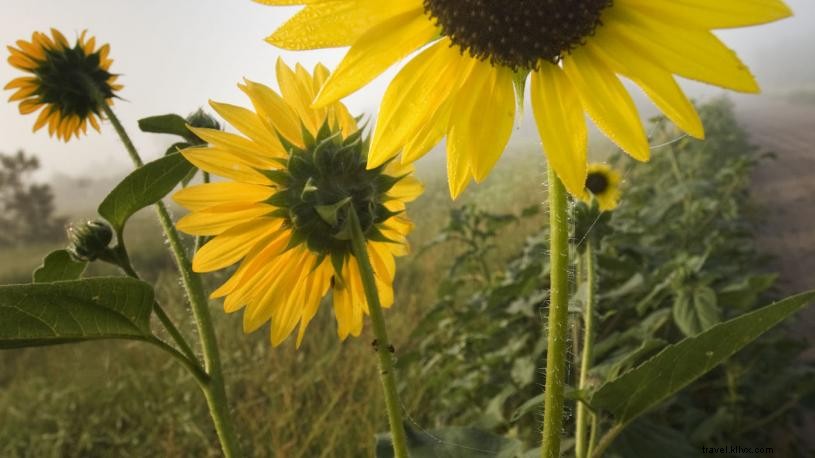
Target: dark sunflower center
{"x":597,"y":183}
{"x":319,"y":186}
{"x":517,"y":33}
{"x":65,"y":76}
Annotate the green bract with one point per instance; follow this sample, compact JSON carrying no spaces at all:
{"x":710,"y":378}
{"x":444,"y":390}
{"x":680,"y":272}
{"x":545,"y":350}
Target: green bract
{"x":318,"y":185}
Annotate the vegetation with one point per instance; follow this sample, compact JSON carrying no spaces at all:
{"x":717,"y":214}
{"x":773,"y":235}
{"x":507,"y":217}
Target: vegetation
{"x":675,"y":259}
{"x":27,"y":213}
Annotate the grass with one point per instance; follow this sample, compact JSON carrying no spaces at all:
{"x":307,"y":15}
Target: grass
{"x":127,"y":399}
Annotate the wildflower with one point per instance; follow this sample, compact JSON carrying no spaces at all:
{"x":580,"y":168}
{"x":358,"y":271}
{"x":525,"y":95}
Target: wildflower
{"x":603,"y":184}
{"x":66,"y":83}
{"x":475,"y":56}
{"x":293,"y":177}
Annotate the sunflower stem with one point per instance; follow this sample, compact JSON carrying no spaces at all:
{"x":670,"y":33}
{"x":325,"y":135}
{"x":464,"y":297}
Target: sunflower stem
{"x":582,"y":442}
{"x":558,"y":317}
{"x":122,"y":260}
{"x":213,"y":388}
{"x":383,"y":346}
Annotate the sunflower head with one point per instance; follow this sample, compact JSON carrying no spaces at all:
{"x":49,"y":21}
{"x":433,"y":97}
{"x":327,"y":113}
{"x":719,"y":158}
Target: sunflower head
{"x":519,"y":33}
{"x":603,"y":185}
{"x":293,"y":178}
{"x":67,"y":83}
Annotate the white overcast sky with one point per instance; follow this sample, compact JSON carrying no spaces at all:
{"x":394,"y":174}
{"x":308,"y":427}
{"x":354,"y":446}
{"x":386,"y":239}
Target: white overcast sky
{"x":174,"y":55}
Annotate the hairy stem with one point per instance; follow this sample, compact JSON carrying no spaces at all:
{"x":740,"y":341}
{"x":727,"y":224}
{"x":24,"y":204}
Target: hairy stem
{"x":558,"y":317}
{"x":587,"y":261}
{"x":383,"y":346}
{"x":213,"y":389}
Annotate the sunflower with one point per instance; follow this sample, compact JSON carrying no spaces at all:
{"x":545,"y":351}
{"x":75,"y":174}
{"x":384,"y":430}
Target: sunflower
{"x":475,"y":57}
{"x":291,"y":179}
{"x":603,"y":184}
{"x":62,"y":82}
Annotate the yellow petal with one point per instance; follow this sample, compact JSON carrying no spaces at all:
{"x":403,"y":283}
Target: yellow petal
{"x":206,"y":195}
{"x":218,"y":219}
{"x":232,"y":245}
{"x":692,"y":53}
{"x":657,"y":83}
{"x":707,"y":14}
{"x":413,"y":97}
{"x":248,"y":123}
{"x":271,"y":107}
{"x":561,"y":125}
{"x":486,"y":99}
{"x":226,"y":164}
{"x":335,"y":23}
{"x":607,"y":102}
{"x":375,"y":51}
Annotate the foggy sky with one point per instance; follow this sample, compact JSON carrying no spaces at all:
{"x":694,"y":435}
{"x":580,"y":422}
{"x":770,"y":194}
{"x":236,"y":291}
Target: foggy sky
{"x":174,"y":55}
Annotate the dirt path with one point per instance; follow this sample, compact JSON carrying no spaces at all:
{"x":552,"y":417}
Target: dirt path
{"x":785,"y":187}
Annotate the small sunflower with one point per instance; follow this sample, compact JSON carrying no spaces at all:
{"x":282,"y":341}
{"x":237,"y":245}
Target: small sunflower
{"x":603,"y":184}
{"x":62,"y":82}
{"x":476,"y":55}
{"x":291,"y":179}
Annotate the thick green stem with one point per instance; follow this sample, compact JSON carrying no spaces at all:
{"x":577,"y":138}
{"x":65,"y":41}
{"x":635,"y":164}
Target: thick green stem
{"x":383,"y":346}
{"x":582,"y":443}
{"x":213,"y":389}
{"x":558,"y":317}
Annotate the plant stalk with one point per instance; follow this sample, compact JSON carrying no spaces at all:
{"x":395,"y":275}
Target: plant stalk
{"x":214,"y":390}
{"x":558,"y":317}
{"x":383,"y":346}
{"x":582,"y":447}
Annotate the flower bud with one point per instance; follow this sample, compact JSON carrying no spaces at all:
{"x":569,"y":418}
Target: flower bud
{"x":89,"y":240}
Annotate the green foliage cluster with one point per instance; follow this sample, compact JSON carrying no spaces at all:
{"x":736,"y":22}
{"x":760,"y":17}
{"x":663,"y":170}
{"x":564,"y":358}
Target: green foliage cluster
{"x":677,"y":258}
{"x":26,"y":208}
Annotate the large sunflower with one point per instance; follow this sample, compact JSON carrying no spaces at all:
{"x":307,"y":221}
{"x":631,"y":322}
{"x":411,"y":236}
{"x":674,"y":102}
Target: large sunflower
{"x":66,"y":82}
{"x":476,"y":55}
{"x":292,"y":178}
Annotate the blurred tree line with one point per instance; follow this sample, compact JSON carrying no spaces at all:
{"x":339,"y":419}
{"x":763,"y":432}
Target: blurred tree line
{"x":26,"y":208}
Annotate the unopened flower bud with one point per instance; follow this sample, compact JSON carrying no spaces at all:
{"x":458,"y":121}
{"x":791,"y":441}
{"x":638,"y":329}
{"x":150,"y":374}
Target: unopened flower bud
{"x":89,"y":240}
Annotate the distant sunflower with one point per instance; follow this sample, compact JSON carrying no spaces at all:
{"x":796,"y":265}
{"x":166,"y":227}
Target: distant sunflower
{"x":62,"y":82}
{"x":476,"y":54}
{"x":603,"y":184}
{"x":293,"y":176}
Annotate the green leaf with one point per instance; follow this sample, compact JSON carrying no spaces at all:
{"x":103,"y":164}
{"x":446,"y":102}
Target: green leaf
{"x":167,"y":124}
{"x":649,"y":438}
{"x":144,"y":186}
{"x":451,"y":442}
{"x":73,"y":311}
{"x":675,"y":367}
{"x":696,"y":311}
{"x":59,"y":266}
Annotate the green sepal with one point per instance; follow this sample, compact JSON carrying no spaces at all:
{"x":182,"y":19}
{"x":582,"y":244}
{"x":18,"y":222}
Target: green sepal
{"x":330,"y":213}
{"x":279,"y":177}
{"x":308,"y":140}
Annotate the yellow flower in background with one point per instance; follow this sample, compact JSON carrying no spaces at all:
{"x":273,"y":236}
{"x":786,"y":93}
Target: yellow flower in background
{"x":463,"y":84}
{"x":291,"y":178}
{"x":62,"y":81}
{"x":603,"y":184}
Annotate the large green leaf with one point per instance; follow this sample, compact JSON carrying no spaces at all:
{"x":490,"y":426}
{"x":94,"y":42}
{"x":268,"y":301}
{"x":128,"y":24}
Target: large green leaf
{"x":451,"y":443}
{"x":143,"y":187}
{"x":72,"y":311}
{"x":675,"y":367}
{"x":59,"y":266}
